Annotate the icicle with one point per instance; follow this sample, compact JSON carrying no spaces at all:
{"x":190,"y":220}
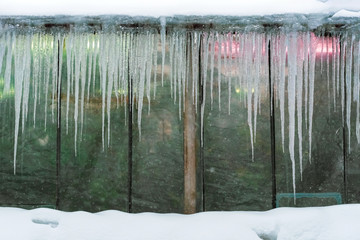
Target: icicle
{"x":257,"y":64}
{"x":212,"y":58}
{"x":333,"y":70}
{"x":36,"y":73}
{"x":356,"y":72}
{"x":149,"y":69}
{"x":116,"y":63}
{"x":357,"y":87}
{"x":47,"y":66}
{"x":299,"y":93}
{"x":125,"y":74}
{"x":142,"y":65}
{"x":171,"y":54}
{"x":134,"y":68}
{"x":91,"y":52}
{"x":274,"y":67}
{"x":2,"y":50}
{"x":19,"y":77}
{"x":72,"y":71}
{"x":26,"y":76}
{"x":322,"y":54}
{"x":194,"y":66}
{"x":77,"y":55}
{"x":219,"y":68}
{"x":248,"y":65}
{"x":186,"y":67}
{"x":182,"y":73}
{"x":328,"y":71}
{"x":96,"y":51}
{"x":306,"y":75}
{"x":283,"y":47}
{"x":83,"y":68}
{"x":61,"y":45}
{"x":163,"y":38}
{"x":203,"y":83}
{"x":292,"y":69}
{"x":104,"y":50}
{"x":54,"y":76}
{"x":338,"y":62}
{"x":111,"y":68}
{"x":9,"y":45}
{"x":243,"y":67}
{"x":313,"y":45}
{"x":155,"y":60}
{"x":69,"y":47}
{"x":263,"y":69}
{"x":228,"y":59}
{"x":175,"y":68}
{"x":342,"y":72}
{"x":348,"y":64}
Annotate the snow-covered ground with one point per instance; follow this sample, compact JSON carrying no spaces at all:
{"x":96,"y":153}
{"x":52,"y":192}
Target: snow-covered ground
{"x":341,"y":222}
{"x":158,"y":8}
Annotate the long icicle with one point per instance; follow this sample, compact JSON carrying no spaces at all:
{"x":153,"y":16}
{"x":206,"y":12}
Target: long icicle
{"x":313,"y":46}
{"x":299,"y":93}
{"x":292,"y":66}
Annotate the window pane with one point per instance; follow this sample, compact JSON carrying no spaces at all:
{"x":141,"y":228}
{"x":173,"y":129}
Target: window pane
{"x":324,"y":174}
{"x":34,"y":183}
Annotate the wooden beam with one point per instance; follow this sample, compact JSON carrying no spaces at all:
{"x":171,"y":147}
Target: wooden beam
{"x":189,"y":146}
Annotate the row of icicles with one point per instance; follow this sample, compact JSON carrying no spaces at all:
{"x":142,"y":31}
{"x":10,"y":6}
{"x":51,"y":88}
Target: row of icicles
{"x":241,"y":59}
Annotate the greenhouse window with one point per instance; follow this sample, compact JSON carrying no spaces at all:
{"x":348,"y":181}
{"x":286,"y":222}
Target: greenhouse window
{"x":178,"y":114}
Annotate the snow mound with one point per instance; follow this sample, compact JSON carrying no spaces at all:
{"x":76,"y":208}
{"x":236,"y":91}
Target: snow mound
{"x":346,"y":13}
{"x":321,"y":223}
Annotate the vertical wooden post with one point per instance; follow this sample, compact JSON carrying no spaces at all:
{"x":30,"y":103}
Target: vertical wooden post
{"x":189,"y":143}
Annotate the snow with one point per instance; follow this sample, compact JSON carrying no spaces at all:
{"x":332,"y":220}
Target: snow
{"x":321,"y":223}
{"x":346,"y":13}
{"x":157,"y":8}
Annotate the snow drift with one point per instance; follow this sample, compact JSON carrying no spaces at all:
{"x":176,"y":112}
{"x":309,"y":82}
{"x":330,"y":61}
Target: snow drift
{"x":321,"y":223}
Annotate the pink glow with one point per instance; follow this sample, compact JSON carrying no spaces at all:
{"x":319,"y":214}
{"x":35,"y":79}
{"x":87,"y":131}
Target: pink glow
{"x":323,"y":46}
{"x":225,"y":49}
{"x":234,"y":52}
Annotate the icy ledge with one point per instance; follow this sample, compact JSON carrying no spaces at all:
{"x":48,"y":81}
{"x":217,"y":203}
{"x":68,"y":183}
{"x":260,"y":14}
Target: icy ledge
{"x":156,"y":8}
{"x":321,"y":223}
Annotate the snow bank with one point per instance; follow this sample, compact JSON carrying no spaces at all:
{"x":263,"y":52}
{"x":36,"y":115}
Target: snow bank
{"x":321,"y":223}
{"x":158,"y":8}
{"x":346,"y":13}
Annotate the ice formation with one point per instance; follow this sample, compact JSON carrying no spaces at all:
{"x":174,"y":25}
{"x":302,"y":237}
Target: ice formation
{"x":129,"y":59}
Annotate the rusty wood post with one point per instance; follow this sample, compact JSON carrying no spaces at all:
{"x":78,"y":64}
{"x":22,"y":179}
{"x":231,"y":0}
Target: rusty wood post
{"x":189,"y":143}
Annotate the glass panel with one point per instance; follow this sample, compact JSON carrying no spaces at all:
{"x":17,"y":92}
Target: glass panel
{"x":324,"y":174}
{"x":353,"y":167}
{"x":158,"y":170}
{"x":233,"y":181}
{"x":94,"y":178}
{"x":34,"y":183}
